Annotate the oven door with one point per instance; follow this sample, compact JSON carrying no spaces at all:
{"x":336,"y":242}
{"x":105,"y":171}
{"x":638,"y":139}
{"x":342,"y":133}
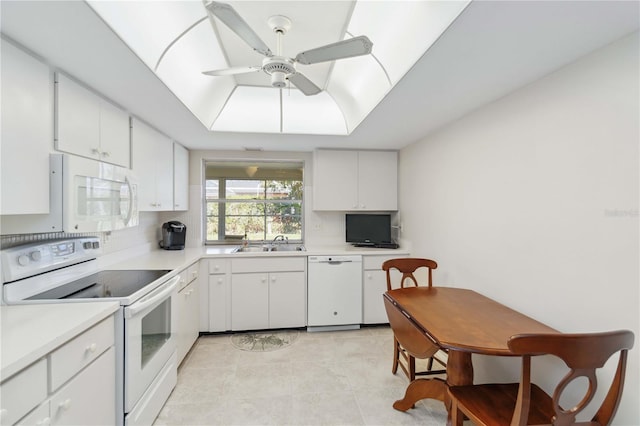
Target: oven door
{"x":149,"y":339}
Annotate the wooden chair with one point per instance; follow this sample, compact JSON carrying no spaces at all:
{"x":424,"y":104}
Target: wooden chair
{"x":525,"y":403}
{"x":408,"y":266}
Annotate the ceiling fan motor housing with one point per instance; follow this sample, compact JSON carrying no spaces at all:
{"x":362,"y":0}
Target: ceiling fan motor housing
{"x":279,"y":68}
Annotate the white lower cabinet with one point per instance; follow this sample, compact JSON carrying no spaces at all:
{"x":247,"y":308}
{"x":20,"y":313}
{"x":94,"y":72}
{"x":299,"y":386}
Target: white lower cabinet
{"x":219,"y":295}
{"x":73,"y":385}
{"x":373,"y":287}
{"x":74,"y":404}
{"x":268,"y":293}
{"x":188,"y":321}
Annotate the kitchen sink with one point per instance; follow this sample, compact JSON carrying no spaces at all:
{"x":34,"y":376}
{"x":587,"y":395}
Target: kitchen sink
{"x":270,"y":248}
{"x":288,"y":247}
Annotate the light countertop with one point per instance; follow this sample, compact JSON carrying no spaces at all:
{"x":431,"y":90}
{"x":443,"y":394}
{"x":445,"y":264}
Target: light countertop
{"x":29,"y":332}
{"x":180,"y":259}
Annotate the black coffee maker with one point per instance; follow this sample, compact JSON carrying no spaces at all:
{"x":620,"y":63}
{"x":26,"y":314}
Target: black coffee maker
{"x":173,"y":235}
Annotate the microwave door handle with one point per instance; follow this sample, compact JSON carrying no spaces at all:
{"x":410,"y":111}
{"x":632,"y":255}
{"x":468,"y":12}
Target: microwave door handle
{"x":131,"y":201}
{"x":136,"y":308}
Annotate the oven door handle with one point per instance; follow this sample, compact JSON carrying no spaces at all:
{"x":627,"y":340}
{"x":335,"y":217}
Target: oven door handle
{"x":144,"y":303}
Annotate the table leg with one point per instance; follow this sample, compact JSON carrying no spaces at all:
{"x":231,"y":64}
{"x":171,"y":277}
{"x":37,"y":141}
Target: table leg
{"x":421,"y":389}
{"x":459,"y":372}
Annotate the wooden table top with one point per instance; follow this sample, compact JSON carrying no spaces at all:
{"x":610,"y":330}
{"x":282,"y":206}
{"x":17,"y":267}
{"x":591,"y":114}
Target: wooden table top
{"x":463,"y":320}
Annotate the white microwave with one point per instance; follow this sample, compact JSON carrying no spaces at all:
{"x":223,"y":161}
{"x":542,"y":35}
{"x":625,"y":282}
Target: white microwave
{"x":97,"y":196}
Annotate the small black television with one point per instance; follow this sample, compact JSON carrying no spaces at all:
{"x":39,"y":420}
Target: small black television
{"x":368,"y":229}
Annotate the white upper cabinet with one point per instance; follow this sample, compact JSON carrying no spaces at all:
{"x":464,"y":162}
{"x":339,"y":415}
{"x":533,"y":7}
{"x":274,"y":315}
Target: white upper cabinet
{"x":90,"y":126}
{"x":180,"y":177}
{"x":153,"y":166}
{"x":27,"y":132}
{"x":355,"y":180}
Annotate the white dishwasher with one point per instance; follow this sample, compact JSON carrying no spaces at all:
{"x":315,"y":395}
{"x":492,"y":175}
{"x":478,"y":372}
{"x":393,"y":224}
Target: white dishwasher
{"x":334,"y":295}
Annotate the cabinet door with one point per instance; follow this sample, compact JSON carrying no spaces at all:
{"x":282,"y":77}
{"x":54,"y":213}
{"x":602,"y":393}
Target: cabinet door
{"x":287,"y":299}
{"x":335,"y":180}
{"x":74,"y":405}
{"x":375,"y":284}
{"x":188,"y":319}
{"x":78,"y":119}
{"x":114,"y":135}
{"x":250,"y":301}
{"x":26,"y":132}
{"x":153,"y":164}
{"x":217,"y":303}
{"x":180,"y":177}
{"x":377,"y":180}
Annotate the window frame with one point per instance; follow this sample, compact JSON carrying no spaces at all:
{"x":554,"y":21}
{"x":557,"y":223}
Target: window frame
{"x":222,"y":202}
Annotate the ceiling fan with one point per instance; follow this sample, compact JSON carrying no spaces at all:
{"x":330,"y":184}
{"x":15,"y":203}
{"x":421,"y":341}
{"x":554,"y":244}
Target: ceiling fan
{"x":282,"y":68}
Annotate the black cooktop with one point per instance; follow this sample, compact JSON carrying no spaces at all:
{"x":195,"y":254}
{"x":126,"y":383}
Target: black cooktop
{"x":104,"y":284}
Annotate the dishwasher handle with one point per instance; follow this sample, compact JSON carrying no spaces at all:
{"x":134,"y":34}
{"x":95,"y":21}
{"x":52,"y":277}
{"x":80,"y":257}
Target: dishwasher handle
{"x":338,"y":262}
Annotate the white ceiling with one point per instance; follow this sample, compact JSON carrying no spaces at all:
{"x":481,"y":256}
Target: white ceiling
{"x":493,"y":48}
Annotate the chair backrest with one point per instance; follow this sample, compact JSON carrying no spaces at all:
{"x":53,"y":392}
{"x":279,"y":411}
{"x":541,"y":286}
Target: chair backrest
{"x":407,"y":266}
{"x":583,"y":354}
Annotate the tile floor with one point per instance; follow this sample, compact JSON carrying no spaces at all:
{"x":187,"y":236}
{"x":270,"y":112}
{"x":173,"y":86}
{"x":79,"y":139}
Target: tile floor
{"x":323,"y":378}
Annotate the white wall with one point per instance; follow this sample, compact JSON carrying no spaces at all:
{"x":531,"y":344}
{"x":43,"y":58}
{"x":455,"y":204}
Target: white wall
{"x":533,"y":201}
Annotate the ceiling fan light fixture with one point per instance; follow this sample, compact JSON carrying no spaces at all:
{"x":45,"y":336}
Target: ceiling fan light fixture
{"x":278,"y":79}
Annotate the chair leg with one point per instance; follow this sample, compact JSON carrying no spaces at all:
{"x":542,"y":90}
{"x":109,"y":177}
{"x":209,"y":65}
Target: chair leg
{"x":396,"y":355}
{"x":412,"y":368}
{"x":430,"y":364}
{"x":457,"y":417}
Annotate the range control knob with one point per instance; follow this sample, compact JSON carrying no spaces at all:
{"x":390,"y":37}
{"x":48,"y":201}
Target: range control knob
{"x":86,"y":245}
{"x":35,"y":255}
{"x":23,"y":260}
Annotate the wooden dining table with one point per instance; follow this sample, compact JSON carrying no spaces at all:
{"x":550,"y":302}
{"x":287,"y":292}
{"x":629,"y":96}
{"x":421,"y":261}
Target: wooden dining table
{"x":461,"y":321}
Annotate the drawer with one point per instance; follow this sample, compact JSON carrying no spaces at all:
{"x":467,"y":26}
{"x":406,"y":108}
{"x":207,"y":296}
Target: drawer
{"x":72,"y":357}
{"x":39,"y":417}
{"x":375,"y":262}
{"x":268,"y":264}
{"x":193,"y":271}
{"x":22,"y":392}
{"x":218,"y":266}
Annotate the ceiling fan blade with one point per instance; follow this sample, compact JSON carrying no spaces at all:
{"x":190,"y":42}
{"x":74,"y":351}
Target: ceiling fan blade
{"x":234,"y":21}
{"x":232,"y":71}
{"x":305,"y":85}
{"x":356,"y":46}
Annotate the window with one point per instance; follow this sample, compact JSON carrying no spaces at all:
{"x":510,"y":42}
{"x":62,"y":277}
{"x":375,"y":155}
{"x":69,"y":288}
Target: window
{"x":259,"y":199}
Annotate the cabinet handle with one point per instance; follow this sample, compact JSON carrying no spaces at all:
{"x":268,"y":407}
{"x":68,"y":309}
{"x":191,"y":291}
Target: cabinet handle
{"x":264,"y":279}
{"x":219,"y":280}
{"x":92,"y":348}
{"x":106,"y":154}
{"x":66,"y":404}
{"x":95,"y":151}
{"x":44,"y":422}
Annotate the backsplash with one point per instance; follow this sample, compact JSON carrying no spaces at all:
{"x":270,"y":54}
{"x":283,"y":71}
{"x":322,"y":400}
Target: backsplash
{"x":147,"y":231}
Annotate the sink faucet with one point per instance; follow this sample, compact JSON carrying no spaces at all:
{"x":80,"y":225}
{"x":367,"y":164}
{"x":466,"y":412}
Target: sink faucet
{"x":280,"y":238}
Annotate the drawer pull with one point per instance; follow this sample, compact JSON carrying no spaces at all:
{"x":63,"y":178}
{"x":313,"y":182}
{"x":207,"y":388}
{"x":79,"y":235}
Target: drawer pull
{"x":92,"y":348}
{"x":44,"y":422}
{"x":66,"y":404}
